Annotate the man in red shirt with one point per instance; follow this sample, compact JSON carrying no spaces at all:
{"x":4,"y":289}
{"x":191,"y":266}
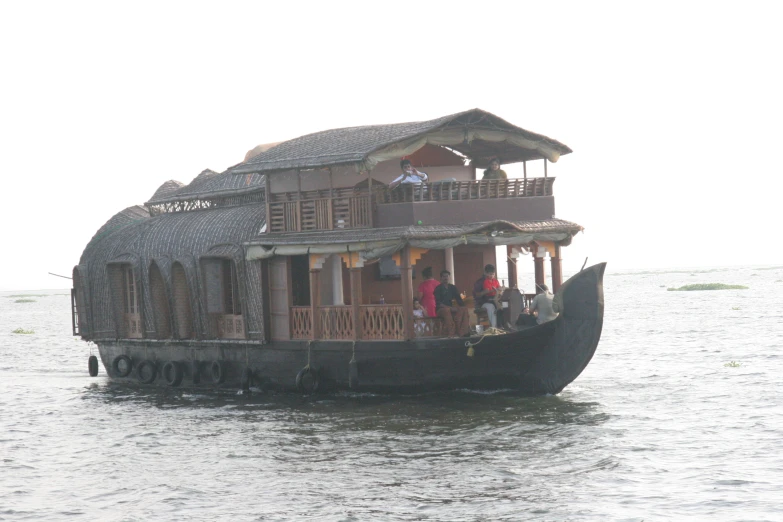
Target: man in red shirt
{"x":487,"y":296}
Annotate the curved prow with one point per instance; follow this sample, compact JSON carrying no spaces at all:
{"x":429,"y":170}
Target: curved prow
{"x":580,"y":302}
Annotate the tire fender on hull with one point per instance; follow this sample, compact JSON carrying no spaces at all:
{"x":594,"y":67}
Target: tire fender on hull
{"x":147,"y":371}
{"x":122,"y":366}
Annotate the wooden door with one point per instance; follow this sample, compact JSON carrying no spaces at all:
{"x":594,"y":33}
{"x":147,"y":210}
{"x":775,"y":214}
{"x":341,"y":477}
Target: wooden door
{"x":279,"y":298}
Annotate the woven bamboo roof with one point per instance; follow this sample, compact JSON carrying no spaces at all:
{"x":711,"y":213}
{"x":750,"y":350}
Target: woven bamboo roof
{"x":416,"y":232}
{"x":208,"y":184}
{"x":170,"y":235}
{"x":355,"y":145}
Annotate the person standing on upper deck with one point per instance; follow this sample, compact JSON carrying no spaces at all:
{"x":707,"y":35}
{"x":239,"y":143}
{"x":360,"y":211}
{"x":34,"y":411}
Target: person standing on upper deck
{"x":409,"y":175}
{"x":494,"y":171}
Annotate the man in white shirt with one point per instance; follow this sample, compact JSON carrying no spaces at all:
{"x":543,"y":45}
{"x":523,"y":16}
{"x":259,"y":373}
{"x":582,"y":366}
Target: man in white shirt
{"x":543,"y":303}
{"x":409,"y":175}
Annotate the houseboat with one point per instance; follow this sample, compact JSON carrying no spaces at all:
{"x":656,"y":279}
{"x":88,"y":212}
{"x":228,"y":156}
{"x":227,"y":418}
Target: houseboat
{"x":296,"y":269}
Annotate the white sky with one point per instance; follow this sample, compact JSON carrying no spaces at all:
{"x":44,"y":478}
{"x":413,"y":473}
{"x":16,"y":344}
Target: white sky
{"x":673,"y":109}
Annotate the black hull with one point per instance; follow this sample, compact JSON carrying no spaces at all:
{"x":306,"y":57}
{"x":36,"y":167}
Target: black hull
{"x":536,"y":361}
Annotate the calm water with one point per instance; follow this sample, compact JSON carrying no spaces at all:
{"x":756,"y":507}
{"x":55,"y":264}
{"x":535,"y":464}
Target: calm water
{"x":660,"y":426}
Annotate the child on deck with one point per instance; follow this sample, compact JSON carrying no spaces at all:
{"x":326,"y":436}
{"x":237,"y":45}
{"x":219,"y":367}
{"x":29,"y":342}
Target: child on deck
{"x":419,"y":312}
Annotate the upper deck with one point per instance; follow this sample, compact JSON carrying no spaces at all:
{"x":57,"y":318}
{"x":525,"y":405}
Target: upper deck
{"x":447,"y":201}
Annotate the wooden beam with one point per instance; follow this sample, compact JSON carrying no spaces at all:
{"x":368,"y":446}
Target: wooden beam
{"x":406,"y":279}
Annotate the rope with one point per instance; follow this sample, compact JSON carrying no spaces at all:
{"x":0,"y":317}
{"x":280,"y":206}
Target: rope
{"x":353,"y":352}
{"x":490,"y":331}
{"x":309,"y":343}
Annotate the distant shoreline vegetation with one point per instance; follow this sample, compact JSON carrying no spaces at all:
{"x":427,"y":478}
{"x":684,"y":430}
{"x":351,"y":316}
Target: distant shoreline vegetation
{"x":707,"y":286}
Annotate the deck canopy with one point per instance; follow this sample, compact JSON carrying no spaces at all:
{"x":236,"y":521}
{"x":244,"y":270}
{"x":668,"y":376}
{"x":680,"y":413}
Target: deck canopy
{"x":476,"y":134}
{"x":375,"y":243}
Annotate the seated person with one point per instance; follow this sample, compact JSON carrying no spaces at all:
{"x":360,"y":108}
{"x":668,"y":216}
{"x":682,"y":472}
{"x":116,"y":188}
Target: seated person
{"x":409,"y":175}
{"x":494,"y":171}
{"x":419,"y":313}
{"x":486,"y":292}
{"x":526,"y":319}
{"x":456,"y":320}
{"x":542,"y":303}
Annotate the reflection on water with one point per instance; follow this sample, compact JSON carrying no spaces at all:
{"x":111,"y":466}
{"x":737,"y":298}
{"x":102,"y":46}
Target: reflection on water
{"x":659,"y":426}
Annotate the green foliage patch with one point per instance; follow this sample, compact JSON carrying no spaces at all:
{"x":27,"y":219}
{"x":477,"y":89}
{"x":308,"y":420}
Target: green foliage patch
{"x":24,"y":301}
{"x":23,"y":331}
{"x":707,"y":286}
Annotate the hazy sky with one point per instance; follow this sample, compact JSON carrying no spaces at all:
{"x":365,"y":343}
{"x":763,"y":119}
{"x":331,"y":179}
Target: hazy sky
{"x":673,"y":109}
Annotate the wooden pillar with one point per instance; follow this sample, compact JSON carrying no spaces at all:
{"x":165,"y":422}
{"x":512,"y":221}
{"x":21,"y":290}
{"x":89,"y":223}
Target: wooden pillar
{"x":512,"y":267}
{"x":557,"y":270}
{"x":356,"y":301}
{"x":315,"y":301}
{"x":268,"y":199}
{"x":337,"y":280}
{"x":369,"y":198}
{"x":540,"y":270}
{"x":449,"y":255}
{"x":406,"y":279}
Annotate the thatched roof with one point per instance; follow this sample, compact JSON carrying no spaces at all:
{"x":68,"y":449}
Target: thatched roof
{"x":364,"y":146}
{"x":208,"y":184}
{"x":416,"y":232}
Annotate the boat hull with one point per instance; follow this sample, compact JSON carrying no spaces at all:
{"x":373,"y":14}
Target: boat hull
{"x":534,"y":361}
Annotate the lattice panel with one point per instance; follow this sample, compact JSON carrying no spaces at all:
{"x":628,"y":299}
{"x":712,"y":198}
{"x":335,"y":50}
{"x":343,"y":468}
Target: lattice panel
{"x":301,"y":322}
{"x":336,"y":322}
{"x":231,"y":327}
{"x":382,"y":322}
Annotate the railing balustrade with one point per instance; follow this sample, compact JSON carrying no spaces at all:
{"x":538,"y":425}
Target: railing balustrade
{"x":352,"y":208}
{"x":301,"y":322}
{"x":460,"y":190}
{"x":382,"y":322}
{"x":336,"y":322}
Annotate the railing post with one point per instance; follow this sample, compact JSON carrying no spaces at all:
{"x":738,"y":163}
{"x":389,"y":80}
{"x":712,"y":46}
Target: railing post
{"x":315,"y":302}
{"x":406,"y":278}
{"x":356,"y":299}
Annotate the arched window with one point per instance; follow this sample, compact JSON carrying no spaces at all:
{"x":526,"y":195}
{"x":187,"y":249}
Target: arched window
{"x":160,"y":303}
{"x":125,"y":298}
{"x":224,"y":308}
{"x":183,"y":310}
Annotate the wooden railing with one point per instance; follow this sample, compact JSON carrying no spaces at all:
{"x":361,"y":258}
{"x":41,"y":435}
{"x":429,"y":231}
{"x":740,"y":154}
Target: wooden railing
{"x":332,"y":209}
{"x":319,"y":210}
{"x":459,"y":190}
{"x":382,"y":322}
{"x":301,"y":322}
{"x":336,"y":322}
